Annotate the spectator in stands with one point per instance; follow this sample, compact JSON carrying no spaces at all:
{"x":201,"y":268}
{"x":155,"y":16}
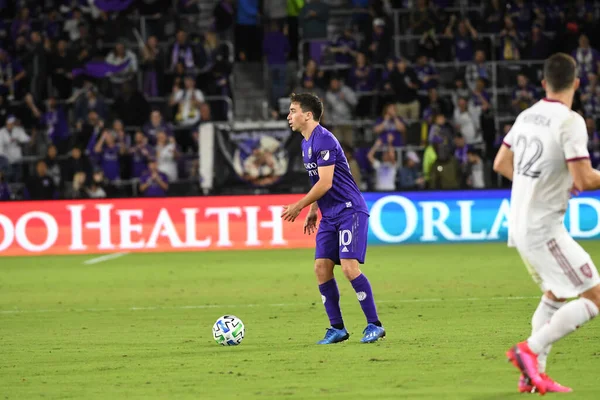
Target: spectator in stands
{"x":157,"y":123}
{"x":461,"y":150}
{"x":313,"y":79}
{"x":247,"y":31}
{"x":441,"y":132}
{"x":53,"y":166}
{"x":538,"y":46}
{"x":475,"y":178}
{"x":380,"y":45}
{"x":480,"y":98}
{"x":54,"y":122}
{"x":345,"y":47}
{"x":464,"y":38}
{"x":390,"y":124}
{"x":6,"y":109}
{"x":276,"y":49}
{"x":152,"y":65}
{"x":405,"y":85}
{"x":98,"y":187}
{"x":76,"y":162}
{"x":36,"y":65}
{"x":361,"y":79}
{"x":61,"y":65}
{"x":460,"y":90}
{"x":524,"y":95}
{"x":77,"y":189}
{"x":275,"y":11}
{"x":167,"y":155}
{"x":89,"y":133}
{"x":478,"y":69}
{"x":5,"y":193}
{"x":187,"y":102}
{"x":387,"y":168}
{"x":445,"y":171}
{"x":467,"y":121}
{"x":314,"y":18}
{"x":72,"y":25}
{"x":21,"y":26}
{"x":494,"y":16}
{"x":422,"y":18}
{"x":426,"y":74}
{"x":11,"y":75}
{"x":12,"y":139}
{"x":182,"y":52}
{"x":436,"y":104}
{"x":353,"y":164}
{"x":119,"y":56}
{"x":385,"y":88}
{"x":410,"y":175}
{"x":52,"y":27}
{"x":89,"y":100}
{"x":590,"y":96}
{"x":84,"y":48}
{"x":341,"y":101}
{"x":510,"y":41}
{"x":40,"y":186}
{"x":140,"y":152}
{"x":521,"y":12}
{"x":224,"y":14}
{"x":588,"y":59}
{"x":154,"y":183}
{"x":108,"y":152}
{"x":593,"y":142}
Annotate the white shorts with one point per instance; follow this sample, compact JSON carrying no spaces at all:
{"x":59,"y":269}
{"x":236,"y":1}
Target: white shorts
{"x":562,"y":266}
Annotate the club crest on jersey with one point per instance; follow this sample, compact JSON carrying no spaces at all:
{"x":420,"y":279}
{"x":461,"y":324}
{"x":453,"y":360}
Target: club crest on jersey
{"x":325,"y":155}
{"x":586,"y":270}
{"x":310,"y":152}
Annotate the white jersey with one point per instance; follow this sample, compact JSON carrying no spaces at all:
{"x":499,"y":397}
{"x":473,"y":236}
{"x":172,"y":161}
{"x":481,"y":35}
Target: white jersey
{"x":544,"y":138}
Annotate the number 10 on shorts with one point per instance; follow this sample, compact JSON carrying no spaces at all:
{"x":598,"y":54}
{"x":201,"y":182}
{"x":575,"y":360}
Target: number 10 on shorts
{"x":345,"y":240}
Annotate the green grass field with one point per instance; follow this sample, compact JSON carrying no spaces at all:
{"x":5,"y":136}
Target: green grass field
{"x":139,"y":327}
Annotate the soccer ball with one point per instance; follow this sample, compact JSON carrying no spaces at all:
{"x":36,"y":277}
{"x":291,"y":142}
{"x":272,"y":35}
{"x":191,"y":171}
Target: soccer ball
{"x":228,"y":330}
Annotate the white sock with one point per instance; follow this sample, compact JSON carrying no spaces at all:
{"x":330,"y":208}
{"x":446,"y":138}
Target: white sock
{"x":542,"y":315}
{"x":566,"y":320}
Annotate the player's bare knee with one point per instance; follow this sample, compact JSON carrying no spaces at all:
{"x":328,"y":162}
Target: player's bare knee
{"x":324,"y":270}
{"x":351,"y":269}
{"x":593,"y":295}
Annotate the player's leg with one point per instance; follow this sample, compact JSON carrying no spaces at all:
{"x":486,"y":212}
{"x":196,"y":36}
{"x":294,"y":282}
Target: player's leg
{"x":325,"y":259}
{"x":567,"y":271}
{"x":352,"y":251}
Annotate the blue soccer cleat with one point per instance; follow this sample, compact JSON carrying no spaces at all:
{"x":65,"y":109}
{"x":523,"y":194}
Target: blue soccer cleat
{"x":372,"y":333}
{"x":334,"y":336}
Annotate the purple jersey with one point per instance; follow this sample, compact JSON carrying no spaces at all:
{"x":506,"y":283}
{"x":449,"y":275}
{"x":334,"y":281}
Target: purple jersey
{"x":323,"y":149}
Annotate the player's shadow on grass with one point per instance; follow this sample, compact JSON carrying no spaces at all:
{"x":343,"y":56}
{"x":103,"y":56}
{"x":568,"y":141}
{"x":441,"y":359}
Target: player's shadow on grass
{"x":498,"y":396}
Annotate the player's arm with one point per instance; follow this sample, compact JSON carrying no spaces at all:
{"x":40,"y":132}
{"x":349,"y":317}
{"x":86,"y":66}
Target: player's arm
{"x":314,"y":207}
{"x":503,"y":164}
{"x":574,"y":138}
{"x":320,"y":188}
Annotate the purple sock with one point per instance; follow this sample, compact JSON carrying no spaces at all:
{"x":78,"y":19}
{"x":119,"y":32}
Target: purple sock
{"x":331,"y":299}
{"x":362,"y":287}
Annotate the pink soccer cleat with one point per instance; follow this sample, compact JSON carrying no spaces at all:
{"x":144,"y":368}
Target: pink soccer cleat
{"x":525,"y":385}
{"x":526,"y":361}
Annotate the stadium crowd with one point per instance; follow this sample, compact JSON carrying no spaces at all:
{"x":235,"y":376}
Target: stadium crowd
{"x":87,"y":102}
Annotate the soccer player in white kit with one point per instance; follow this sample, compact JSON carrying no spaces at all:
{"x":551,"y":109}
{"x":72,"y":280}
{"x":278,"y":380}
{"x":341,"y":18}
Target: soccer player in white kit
{"x":545,"y":155}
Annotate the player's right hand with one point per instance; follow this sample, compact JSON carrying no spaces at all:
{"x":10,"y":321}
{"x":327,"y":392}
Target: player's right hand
{"x":310,"y":223}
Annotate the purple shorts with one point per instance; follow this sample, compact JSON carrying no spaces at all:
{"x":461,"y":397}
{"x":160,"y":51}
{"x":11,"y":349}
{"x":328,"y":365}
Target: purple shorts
{"x":343,"y":238}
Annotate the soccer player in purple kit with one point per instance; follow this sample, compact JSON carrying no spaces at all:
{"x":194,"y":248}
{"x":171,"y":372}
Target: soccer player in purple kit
{"x":342,"y":234}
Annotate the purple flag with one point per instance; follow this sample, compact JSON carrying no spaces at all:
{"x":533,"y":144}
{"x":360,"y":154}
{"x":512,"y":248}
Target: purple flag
{"x":100,"y":69}
{"x":112,"y":5}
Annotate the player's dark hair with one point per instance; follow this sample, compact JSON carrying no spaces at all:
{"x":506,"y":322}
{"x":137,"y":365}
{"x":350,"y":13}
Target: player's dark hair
{"x":309,"y":103}
{"x":560,"y":71}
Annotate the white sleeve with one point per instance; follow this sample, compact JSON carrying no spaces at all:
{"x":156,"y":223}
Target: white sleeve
{"x":22,"y":136}
{"x":199,"y":96}
{"x":178,"y":96}
{"x":574,"y":138}
{"x":376,"y":164}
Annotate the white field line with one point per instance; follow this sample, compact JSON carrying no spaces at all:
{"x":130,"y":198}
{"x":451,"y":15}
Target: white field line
{"x":207,"y":306}
{"x":105,"y":258}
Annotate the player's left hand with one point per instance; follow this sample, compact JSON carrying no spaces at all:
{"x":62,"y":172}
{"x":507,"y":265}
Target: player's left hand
{"x":291,"y":212}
